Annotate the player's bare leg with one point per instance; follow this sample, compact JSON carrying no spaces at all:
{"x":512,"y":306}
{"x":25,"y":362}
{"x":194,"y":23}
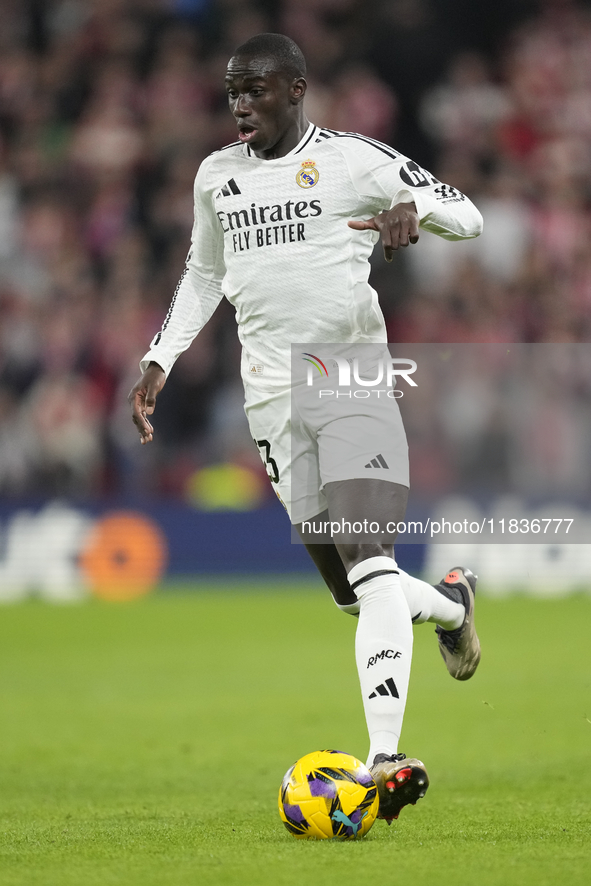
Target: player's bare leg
{"x":330,"y":566}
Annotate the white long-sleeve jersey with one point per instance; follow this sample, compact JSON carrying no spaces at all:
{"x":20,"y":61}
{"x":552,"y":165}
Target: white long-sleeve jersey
{"x":272,"y":236}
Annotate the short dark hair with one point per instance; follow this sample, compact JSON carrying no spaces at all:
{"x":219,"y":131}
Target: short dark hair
{"x":287,"y":55}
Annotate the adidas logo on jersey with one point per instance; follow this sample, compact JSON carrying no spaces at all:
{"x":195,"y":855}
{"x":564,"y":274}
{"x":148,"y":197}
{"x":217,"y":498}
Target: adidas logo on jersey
{"x":378,"y":462}
{"x":388,"y":687}
{"x":229,"y":189}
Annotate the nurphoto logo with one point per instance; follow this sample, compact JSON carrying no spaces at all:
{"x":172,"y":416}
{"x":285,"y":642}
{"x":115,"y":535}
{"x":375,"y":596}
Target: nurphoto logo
{"x":386,"y":371}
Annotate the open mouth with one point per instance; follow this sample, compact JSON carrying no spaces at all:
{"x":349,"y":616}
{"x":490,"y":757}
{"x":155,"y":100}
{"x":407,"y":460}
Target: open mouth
{"x":246,"y":133}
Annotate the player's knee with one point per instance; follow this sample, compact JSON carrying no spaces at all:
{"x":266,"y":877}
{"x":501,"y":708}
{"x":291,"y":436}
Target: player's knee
{"x":352,"y":554}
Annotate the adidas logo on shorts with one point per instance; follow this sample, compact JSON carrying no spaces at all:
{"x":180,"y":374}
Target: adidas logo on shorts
{"x":378,"y":462}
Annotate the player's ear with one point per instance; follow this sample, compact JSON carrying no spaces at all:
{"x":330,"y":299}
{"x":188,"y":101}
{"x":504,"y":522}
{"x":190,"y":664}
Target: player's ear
{"x":297,"y":90}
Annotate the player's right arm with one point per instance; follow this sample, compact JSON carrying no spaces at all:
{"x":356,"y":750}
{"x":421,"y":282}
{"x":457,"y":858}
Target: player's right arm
{"x":196,"y":297}
{"x":142,"y":399}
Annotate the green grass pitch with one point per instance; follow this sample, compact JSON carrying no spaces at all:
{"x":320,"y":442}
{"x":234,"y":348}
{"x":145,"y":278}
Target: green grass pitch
{"x":144,"y":744}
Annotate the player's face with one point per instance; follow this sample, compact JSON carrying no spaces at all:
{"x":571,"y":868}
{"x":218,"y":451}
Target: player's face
{"x":264,"y":103}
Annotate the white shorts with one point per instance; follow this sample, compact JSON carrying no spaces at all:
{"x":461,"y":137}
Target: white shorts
{"x":307,"y":441}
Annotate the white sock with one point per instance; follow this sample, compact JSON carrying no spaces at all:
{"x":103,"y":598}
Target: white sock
{"x":427,"y":604}
{"x":383,"y":650}
{"x":424,"y":602}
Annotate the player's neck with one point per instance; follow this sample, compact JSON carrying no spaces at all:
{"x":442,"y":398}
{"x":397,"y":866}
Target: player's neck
{"x":288,"y":141}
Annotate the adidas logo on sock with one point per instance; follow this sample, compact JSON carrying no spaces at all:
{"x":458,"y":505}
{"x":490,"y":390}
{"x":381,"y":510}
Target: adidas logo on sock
{"x":388,"y":687}
{"x":229,"y":188}
{"x":378,"y":462}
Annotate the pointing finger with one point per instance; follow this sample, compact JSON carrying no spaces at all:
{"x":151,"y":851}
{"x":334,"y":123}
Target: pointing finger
{"x":358,"y":225}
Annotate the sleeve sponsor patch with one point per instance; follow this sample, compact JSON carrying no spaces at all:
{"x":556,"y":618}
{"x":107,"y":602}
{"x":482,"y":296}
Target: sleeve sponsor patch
{"x":447,"y":194}
{"x":415,"y":176}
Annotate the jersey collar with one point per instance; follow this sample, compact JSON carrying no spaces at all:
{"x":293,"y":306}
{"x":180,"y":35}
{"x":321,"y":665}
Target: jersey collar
{"x":305,"y":139}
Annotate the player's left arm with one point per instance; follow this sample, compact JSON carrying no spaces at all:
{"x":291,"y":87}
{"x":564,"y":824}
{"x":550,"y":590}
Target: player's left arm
{"x":417,"y":200}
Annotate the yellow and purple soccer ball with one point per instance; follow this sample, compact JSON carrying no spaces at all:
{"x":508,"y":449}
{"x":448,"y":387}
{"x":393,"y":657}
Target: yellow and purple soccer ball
{"x":328,"y":795}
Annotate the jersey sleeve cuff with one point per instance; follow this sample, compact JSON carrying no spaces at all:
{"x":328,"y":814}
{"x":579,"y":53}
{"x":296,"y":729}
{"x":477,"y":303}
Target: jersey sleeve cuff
{"x":156,"y":357}
{"x":425,"y":205}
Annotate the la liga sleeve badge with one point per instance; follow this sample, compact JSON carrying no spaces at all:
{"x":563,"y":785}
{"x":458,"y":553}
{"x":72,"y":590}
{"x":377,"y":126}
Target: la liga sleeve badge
{"x":308,"y":175}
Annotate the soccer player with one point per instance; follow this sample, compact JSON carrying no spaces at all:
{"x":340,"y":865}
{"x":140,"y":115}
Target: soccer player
{"x":286,"y":219}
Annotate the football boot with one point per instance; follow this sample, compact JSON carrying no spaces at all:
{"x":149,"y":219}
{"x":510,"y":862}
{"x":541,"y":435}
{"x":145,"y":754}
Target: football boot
{"x":400,"y":782}
{"x":460,"y":648}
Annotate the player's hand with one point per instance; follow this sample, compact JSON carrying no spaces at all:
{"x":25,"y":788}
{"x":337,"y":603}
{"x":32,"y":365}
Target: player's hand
{"x":142,"y":399}
{"x":398,"y":226}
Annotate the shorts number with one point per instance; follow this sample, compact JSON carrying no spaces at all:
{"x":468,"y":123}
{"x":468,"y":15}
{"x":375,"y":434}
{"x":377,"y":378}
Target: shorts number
{"x":271,"y":464}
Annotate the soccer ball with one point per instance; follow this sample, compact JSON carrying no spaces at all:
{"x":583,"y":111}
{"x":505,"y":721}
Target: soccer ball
{"x":327,"y":795}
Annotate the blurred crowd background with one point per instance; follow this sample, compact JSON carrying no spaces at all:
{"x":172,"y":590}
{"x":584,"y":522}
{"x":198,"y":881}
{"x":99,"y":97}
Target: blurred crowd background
{"x":107,"y":108}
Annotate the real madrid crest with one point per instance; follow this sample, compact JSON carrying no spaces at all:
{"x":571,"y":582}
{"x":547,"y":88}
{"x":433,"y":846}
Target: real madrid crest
{"x":308,"y":175}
